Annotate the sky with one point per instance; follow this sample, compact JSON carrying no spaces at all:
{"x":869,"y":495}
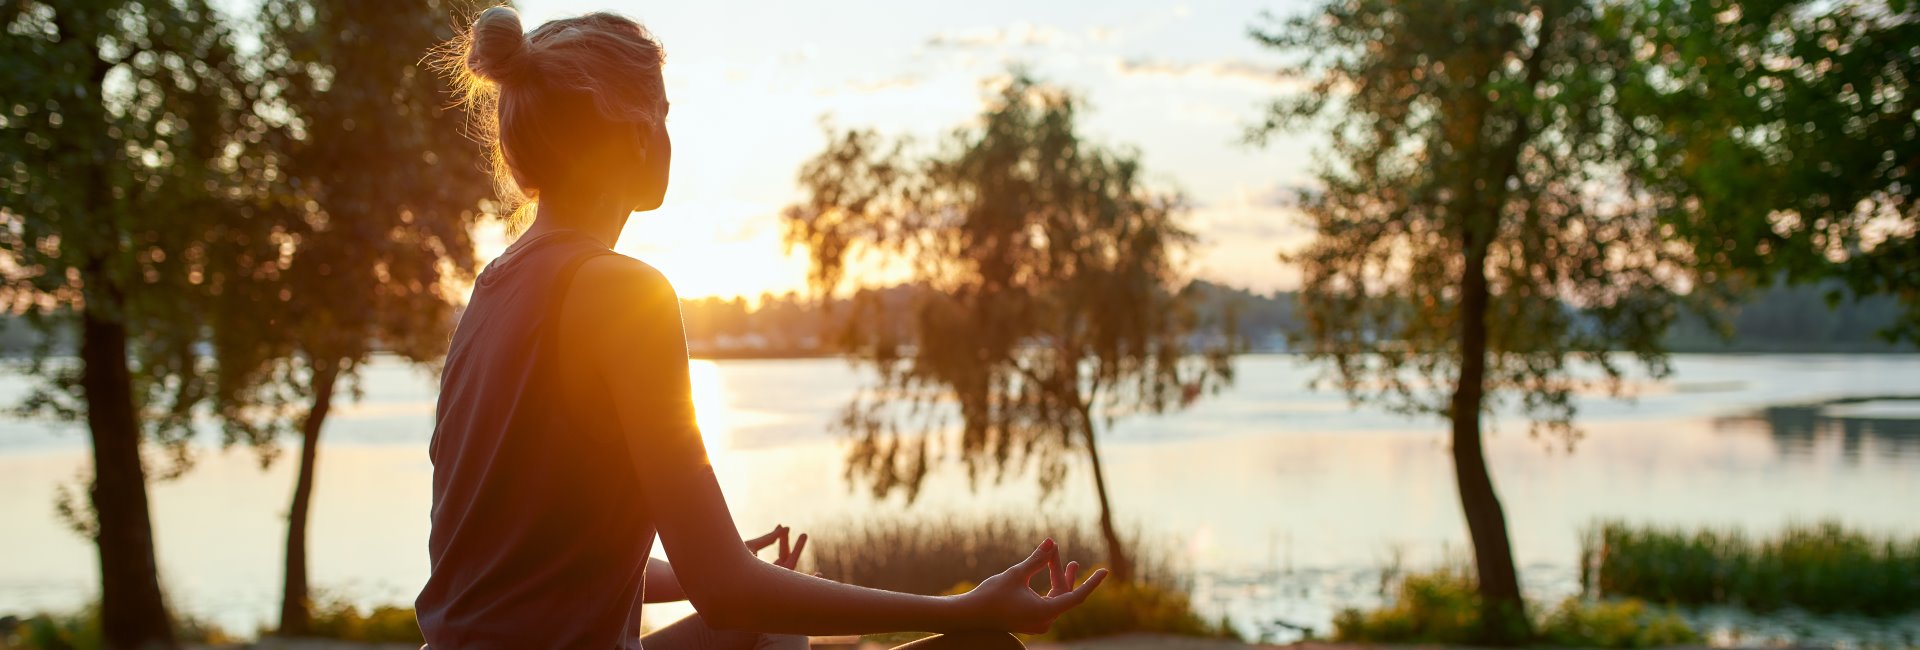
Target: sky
{"x":751,"y":82}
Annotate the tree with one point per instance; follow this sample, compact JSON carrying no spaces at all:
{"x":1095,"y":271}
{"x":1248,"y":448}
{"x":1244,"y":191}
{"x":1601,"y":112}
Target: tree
{"x":122,"y":145}
{"x":1047,"y":270}
{"x":1477,"y":240}
{"x":1788,"y":129}
{"x":377,"y":191}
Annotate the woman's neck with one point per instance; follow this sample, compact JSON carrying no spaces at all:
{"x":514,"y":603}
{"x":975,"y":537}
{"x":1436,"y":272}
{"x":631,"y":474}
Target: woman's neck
{"x":601,"y":220}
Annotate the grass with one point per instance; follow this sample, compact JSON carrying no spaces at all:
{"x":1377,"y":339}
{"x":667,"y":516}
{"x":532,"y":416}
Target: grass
{"x":1443,"y":607}
{"x":1822,"y":568}
{"x":945,"y":554}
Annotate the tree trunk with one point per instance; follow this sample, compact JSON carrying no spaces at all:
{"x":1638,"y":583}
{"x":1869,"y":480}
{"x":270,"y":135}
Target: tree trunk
{"x":1117,"y":559}
{"x":296,"y":614}
{"x":1503,"y":614}
{"x":132,"y":612}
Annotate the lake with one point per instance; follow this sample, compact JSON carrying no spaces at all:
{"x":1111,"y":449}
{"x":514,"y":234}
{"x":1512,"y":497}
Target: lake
{"x":1285,"y":502}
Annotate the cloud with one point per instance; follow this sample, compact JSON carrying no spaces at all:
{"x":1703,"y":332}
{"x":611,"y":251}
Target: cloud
{"x":1222,"y":70}
{"x":1020,"y":34}
{"x":870,"y":85}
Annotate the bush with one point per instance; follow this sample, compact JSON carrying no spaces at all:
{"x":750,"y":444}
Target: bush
{"x":81,"y":631}
{"x":1434,"y":607}
{"x":1443,"y":607}
{"x":1118,"y":608}
{"x":1614,"y":624}
{"x":1822,"y":568}
{"x":1121,"y":608}
{"x":77,"y":631}
{"x":338,"y":619}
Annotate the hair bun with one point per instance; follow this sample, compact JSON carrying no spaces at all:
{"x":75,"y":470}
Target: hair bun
{"x":499,"y":46}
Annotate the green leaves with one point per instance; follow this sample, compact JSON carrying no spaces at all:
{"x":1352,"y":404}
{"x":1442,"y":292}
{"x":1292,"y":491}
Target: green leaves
{"x":1787,"y":135}
{"x":1540,"y":127}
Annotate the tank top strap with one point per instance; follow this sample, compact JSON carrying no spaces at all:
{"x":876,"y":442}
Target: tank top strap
{"x":562,"y":283}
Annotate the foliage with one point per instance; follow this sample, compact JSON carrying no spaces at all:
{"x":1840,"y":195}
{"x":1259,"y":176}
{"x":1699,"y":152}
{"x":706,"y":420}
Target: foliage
{"x":80,"y":630}
{"x":1822,"y":568}
{"x":122,"y":149}
{"x":1137,"y":607}
{"x":1614,"y":624}
{"x":377,"y":186}
{"x":1049,"y":271}
{"x":1487,"y":118}
{"x":1476,"y":241}
{"x":1050,"y":267}
{"x":1784,"y":132}
{"x":1436,"y":607}
{"x":339,"y":619}
{"x":1444,"y":607}
{"x":374,"y":193}
{"x":126,"y":152}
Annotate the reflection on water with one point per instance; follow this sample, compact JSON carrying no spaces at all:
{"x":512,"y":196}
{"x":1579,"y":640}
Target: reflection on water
{"x":1861,"y":427}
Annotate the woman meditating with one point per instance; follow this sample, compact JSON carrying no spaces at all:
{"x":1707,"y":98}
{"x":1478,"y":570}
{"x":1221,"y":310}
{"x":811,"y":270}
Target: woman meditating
{"x":565,"y":437}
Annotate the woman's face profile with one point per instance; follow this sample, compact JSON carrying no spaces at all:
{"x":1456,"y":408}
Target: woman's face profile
{"x":656,"y":160}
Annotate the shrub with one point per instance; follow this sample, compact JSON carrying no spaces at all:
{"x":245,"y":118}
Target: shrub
{"x":1120,"y":608}
{"x":81,"y":631}
{"x":1433,"y":607}
{"x":1614,"y":624}
{"x":1137,"y":607}
{"x":1822,"y":568}
{"x":337,"y":619}
{"x":1443,"y":607}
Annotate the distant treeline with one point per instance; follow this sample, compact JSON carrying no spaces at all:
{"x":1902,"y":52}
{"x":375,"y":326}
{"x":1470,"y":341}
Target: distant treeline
{"x":1796,"y":318}
{"x":1775,"y":319}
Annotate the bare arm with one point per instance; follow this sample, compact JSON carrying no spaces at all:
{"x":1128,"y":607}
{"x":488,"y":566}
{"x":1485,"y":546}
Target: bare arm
{"x":662,"y":585}
{"x":640,"y":351}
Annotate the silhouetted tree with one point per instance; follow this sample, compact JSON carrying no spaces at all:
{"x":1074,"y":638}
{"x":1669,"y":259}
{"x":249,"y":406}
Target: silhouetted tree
{"x":377,"y":191}
{"x":1475,"y":238}
{"x":1048,"y":269}
{"x":122,"y":141}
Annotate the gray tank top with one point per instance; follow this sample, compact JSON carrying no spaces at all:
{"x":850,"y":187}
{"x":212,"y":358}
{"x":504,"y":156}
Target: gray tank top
{"x":540,"y":536}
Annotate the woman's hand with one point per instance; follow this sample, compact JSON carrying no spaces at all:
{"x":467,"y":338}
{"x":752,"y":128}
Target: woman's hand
{"x":789,"y":556}
{"x":1005,"y":602}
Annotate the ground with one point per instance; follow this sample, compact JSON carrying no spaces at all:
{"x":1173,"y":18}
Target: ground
{"x":1128,"y":642}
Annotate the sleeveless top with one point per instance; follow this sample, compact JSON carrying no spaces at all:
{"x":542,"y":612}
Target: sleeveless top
{"x":540,"y":535}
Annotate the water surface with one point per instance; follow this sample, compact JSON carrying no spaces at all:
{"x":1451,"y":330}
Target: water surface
{"x":1286,"y":502}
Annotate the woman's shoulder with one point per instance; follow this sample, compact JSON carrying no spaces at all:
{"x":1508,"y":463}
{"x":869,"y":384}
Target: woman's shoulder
{"x":613,"y":274}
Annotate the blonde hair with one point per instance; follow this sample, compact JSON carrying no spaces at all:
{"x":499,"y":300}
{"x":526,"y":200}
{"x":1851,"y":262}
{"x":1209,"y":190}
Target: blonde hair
{"x":538,"y":100}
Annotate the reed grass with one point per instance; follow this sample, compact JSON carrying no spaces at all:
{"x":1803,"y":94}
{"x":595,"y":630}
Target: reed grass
{"x":935,"y":555}
{"x":1821,"y":568}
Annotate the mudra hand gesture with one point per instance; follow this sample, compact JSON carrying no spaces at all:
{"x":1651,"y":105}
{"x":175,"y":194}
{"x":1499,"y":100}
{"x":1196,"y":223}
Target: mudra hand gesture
{"x":1005,"y":602}
{"x":789,"y":555}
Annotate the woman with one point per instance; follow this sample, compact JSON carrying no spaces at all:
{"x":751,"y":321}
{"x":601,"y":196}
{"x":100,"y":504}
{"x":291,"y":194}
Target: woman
{"x":565,"y":437}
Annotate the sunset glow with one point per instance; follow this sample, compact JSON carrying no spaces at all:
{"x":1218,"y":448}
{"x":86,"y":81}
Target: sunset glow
{"x":749,"y":98}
